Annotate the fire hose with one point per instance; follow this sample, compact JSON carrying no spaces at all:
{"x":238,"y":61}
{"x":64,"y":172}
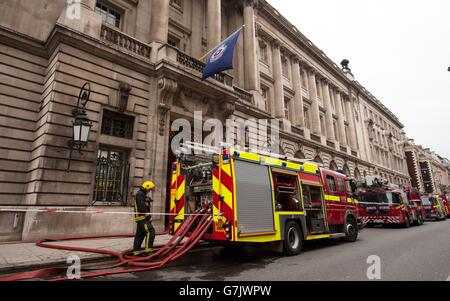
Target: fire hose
{"x":186,"y":237}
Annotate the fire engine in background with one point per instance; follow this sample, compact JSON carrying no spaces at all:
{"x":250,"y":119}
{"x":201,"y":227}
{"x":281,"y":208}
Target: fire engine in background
{"x":434,"y":207}
{"x":446,"y":204}
{"x":382,"y":203}
{"x":413,"y":195}
{"x":262,"y":199}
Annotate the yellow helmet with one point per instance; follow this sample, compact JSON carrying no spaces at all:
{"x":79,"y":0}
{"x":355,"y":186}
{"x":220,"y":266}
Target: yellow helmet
{"x":148,"y":185}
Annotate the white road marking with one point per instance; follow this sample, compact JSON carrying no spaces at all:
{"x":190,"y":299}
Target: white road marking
{"x":448,"y":279}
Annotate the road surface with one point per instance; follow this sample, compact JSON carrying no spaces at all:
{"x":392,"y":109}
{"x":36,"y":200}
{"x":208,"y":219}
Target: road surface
{"x":417,"y":253}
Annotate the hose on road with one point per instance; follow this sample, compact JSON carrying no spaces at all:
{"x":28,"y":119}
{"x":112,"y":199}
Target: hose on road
{"x":187,"y":237}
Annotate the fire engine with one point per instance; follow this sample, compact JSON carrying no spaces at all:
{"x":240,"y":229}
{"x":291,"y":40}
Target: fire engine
{"x":261,"y":198}
{"x":446,"y":204}
{"x":434,"y":207}
{"x":384,"y":203}
{"x":413,"y":195}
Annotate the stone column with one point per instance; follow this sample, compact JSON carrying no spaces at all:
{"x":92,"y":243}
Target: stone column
{"x":329,"y":112}
{"x":197,"y":28}
{"x":351,"y":124}
{"x":315,"y":112}
{"x":214,"y":33}
{"x":159,"y":25}
{"x":278,"y":77}
{"x":250,"y":59}
{"x":341,"y":125}
{"x":299,"y":118}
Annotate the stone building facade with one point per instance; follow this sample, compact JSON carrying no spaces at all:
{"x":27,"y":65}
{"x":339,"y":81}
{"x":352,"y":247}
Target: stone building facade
{"x":142,"y":60}
{"x":429,"y":172}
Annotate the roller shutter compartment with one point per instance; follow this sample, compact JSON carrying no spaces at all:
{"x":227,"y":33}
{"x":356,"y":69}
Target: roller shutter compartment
{"x":254,"y":195}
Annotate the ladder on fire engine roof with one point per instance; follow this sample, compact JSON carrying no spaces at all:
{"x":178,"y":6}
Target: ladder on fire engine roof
{"x":212,"y":150}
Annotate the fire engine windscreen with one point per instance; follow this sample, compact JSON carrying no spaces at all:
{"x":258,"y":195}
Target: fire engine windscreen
{"x":379,"y":198}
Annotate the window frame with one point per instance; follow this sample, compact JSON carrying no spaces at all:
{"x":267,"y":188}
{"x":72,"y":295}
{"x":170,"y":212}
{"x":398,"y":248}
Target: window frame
{"x":129,"y":121}
{"x":110,"y":7}
{"x":331,"y":177}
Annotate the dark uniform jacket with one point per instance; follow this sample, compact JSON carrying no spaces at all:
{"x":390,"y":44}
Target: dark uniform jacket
{"x":141,"y":206}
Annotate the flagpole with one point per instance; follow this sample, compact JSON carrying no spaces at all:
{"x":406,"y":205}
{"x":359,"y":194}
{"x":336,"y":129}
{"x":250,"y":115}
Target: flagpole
{"x":201,"y":59}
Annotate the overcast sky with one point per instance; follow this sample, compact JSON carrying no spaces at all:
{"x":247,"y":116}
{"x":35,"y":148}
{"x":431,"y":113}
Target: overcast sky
{"x":398,"y":49}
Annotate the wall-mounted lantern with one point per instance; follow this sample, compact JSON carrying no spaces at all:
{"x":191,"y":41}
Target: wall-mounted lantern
{"x":81,"y":124}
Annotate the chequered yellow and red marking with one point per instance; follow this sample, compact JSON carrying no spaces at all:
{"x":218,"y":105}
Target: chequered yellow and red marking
{"x":223,"y":198}
{"x":177,"y":202}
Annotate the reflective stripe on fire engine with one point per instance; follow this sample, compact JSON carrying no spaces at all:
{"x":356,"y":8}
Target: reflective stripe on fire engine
{"x":322,"y":236}
{"x":181,"y":190}
{"x":226,"y":193}
{"x":332,"y":198}
{"x":306,"y":167}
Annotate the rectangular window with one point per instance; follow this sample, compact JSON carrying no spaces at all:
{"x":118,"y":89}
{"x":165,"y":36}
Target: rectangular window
{"x":319,"y":89}
{"x":284,"y":66}
{"x":117,"y":125}
{"x":307,"y":118}
{"x":304,"y":79}
{"x":263,"y":52}
{"x":265,"y":96}
{"x":322,"y":125}
{"x":173,"y":41}
{"x":287,"y":104}
{"x":331,"y":183}
{"x":109,"y":15}
{"x":111,"y":178}
{"x":335,"y":127}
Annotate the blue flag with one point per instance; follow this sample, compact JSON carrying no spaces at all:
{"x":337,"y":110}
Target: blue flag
{"x":221,"y":58}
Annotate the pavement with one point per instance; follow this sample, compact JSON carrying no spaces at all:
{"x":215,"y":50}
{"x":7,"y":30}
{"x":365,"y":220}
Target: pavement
{"x":25,"y":256}
{"x":414,"y":254}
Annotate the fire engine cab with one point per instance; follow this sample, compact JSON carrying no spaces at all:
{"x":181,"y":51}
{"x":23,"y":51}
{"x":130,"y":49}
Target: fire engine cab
{"x":262,"y":198}
{"x":383,"y":203}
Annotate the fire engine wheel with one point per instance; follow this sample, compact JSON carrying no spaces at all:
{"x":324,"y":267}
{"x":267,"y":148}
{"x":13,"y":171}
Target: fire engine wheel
{"x":407,"y":223}
{"x":351,"y":230}
{"x":293,"y":239}
{"x":420,"y":220}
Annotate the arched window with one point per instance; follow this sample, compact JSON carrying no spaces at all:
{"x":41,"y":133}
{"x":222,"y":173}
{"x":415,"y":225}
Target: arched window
{"x":300,"y":155}
{"x":317,"y":159}
{"x":347,"y":170}
{"x":357,"y":174}
{"x":333,"y":166}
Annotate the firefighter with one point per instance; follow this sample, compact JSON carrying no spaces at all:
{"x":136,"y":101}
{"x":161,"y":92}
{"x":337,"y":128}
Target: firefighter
{"x":144,"y":227}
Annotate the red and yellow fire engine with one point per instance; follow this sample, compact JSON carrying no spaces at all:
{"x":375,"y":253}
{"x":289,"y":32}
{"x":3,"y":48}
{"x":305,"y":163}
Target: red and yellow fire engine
{"x":446,"y":204}
{"x":263,"y":198}
{"x":383,"y":203}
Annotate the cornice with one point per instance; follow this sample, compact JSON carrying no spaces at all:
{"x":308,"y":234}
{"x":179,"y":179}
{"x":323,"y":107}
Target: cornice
{"x":272,"y":15}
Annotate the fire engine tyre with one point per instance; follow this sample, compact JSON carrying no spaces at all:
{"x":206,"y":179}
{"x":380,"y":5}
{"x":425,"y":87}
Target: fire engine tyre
{"x":351,"y":230}
{"x":293,"y":239}
{"x":407,"y":223}
{"x":420,"y":220}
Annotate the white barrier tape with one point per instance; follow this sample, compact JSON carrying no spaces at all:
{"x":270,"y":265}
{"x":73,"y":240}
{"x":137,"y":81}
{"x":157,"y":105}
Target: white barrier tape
{"x":98,"y":212}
